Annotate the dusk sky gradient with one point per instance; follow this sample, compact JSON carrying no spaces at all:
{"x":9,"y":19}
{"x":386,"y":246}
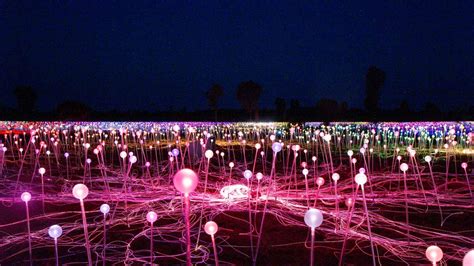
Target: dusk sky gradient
{"x":157,"y":54}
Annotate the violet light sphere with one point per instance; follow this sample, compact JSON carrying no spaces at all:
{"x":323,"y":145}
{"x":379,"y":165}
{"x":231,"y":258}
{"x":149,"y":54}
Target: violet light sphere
{"x":320,"y":181}
{"x":25,"y":196}
{"x":313,"y":218}
{"x":41,"y":171}
{"x":151,"y":217}
{"x":276,"y":147}
{"x":175,"y":152}
{"x":133,"y":159}
{"x":210,"y":228}
{"x":360,"y":179}
{"x":55,"y":231}
{"x":80,"y":191}
{"x":104,"y":208}
{"x":185,"y":181}
{"x":434,"y":253}
{"x":247,"y":174}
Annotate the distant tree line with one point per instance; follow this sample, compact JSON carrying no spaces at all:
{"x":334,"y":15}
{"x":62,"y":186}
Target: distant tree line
{"x":248,"y":95}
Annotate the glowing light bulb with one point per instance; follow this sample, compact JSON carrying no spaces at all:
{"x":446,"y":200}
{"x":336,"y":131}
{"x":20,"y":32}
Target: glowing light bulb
{"x":313,"y":218}
{"x":208,"y":154}
{"x":41,"y":171}
{"x":427,"y":158}
{"x":320,"y":181}
{"x":464,"y":165}
{"x":404,"y":167}
{"x":147,"y":164}
{"x":305,"y":171}
{"x":123,"y":154}
{"x":247,"y":174}
{"x":258,"y":146}
{"x":210,"y":228}
{"x":350,"y":153}
{"x":151,"y":217}
{"x":175,"y":152}
{"x":25,"y":196}
{"x":55,"y":231}
{"x":434,"y":253}
{"x":185,"y":181}
{"x":276,"y":147}
{"x":362,"y":170}
{"x":313,"y":158}
{"x":468,"y":258}
{"x":335,"y":176}
{"x":66,"y":154}
{"x":360,"y":179}
{"x":259,"y":176}
{"x":80,"y":191}
{"x":354,"y":160}
{"x":362,"y":150}
{"x":133,"y":159}
{"x":231,"y":164}
{"x":104,"y":208}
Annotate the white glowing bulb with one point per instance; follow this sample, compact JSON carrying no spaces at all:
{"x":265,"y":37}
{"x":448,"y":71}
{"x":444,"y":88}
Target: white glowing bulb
{"x":427,"y":158}
{"x":276,"y":147}
{"x":434,"y":254}
{"x":247,"y":174}
{"x":468,"y":258}
{"x":464,"y":165}
{"x":335,"y":176}
{"x":133,"y":159}
{"x":55,"y":231}
{"x":41,"y":171}
{"x":208,"y":154}
{"x":305,"y":172}
{"x":25,"y":196}
{"x":231,"y":164}
{"x":210,"y":228}
{"x":104,"y":208}
{"x":360,"y":179}
{"x":404,"y":167}
{"x":80,"y":191}
{"x":259,"y":176}
{"x":313,"y":218}
{"x":350,"y":153}
{"x":151,"y":217}
{"x":123,"y":154}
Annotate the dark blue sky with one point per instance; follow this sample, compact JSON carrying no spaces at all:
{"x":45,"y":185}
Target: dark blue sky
{"x":157,"y":54}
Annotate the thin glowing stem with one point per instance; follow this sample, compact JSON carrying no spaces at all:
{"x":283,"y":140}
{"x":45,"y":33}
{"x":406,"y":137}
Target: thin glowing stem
{"x":86,"y":234}
{"x":29,"y":233}
{"x":368,"y":226}
{"x":312,"y":247}
{"x":56,"y":250}
{"x":188,"y":230}
{"x":216,"y":260}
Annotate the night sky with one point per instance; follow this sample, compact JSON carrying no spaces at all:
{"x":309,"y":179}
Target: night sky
{"x":158,"y":54}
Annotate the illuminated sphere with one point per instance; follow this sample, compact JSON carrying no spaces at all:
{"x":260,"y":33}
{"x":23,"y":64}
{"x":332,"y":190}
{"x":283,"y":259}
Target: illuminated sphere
{"x":434,"y":253}
{"x":147,"y":164}
{"x":350,"y":153}
{"x":259,"y":176}
{"x":313,"y":218}
{"x":335,"y":176}
{"x":313,"y":158}
{"x":66,"y":154}
{"x":258,"y":146}
{"x":133,"y":159}
{"x":104,"y":208}
{"x":362,"y":150}
{"x":349,"y":202}
{"x":360,"y":179}
{"x":362,"y":170}
{"x":304,"y":164}
{"x":276,"y":147}
{"x":55,"y":231}
{"x":211,"y":228}
{"x":468,"y":258}
{"x":305,"y":171}
{"x":354,"y":160}
{"x":41,"y":171}
{"x":185,"y":181}
{"x":80,"y":191}
{"x":320,"y":181}
{"x":151,"y":217}
{"x":399,"y":157}
{"x":208,"y":154}
{"x":25,"y":196}
{"x":231,"y":164}
{"x":123,"y":154}
{"x":404,"y":167}
{"x":247,"y":174}
{"x":175,"y":152}
{"x":427,"y":158}
{"x":464,"y":165}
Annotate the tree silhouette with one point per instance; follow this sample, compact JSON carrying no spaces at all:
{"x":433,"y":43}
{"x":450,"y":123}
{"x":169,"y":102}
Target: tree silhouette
{"x":213,"y":94}
{"x":26,"y":99}
{"x":73,"y":110}
{"x":280,"y":107}
{"x":374,"y":80}
{"x":248,"y":94}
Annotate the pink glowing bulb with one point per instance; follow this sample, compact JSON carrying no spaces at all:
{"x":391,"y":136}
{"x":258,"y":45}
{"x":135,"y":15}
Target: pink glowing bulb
{"x":335,"y":176}
{"x":362,"y":150}
{"x":185,"y":181}
{"x":362,"y":170}
{"x":247,"y":174}
{"x":427,"y":158}
{"x":354,"y":160}
{"x":350,"y":153}
{"x":464,"y":165}
{"x":468,"y":258}
{"x":231,"y":164}
{"x":96,"y":151}
{"x":147,"y":164}
{"x":399,"y":158}
{"x":25,"y":196}
{"x":258,"y":146}
{"x":208,"y":154}
{"x":434,"y":254}
{"x":133,"y":159}
{"x":276,"y":147}
{"x":304,"y":164}
{"x":259,"y":176}
{"x":404,"y":167}
{"x":151,"y":217}
{"x":360,"y":179}
{"x":66,"y":154}
{"x":305,"y":172}
{"x":104,"y":208}
{"x":123,"y":154}
{"x":349,"y":202}
{"x":41,"y":171}
{"x":80,"y":191}
{"x":320,"y":181}
{"x":88,"y":161}
{"x":313,"y":218}
{"x":313,"y":158}
{"x":210,"y":228}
